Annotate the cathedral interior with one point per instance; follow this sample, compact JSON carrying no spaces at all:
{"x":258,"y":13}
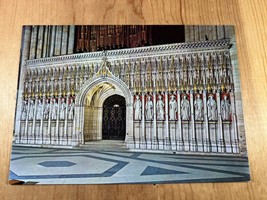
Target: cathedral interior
{"x":168,"y":88}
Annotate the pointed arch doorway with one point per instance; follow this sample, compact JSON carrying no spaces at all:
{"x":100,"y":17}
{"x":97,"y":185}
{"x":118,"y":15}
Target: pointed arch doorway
{"x":114,"y":118}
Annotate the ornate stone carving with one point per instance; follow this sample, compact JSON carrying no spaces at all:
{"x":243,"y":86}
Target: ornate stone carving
{"x":137,"y":108}
{"x":212,"y":108}
{"x":173,"y":108}
{"x":225,"y":108}
{"x":62,"y":109}
{"x":160,"y":108}
{"x":54,"y":110}
{"x":149,"y":108}
{"x":185,"y":108}
{"x":71,"y":110}
{"x":198,"y":104}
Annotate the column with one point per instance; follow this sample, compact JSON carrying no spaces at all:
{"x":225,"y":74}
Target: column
{"x":207,"y":145}
{"x":52,"y":41}
{"x":192,"y":122}
{"x":71,"y":39}
{"x":167,"y":145}
{"x":154,"y":139}
{"x":58,"y":40}
{"x":57,"y":135}
{"x":33,"y":138}
{"x":33,"y":42}
{"x":41,"y":139}
{"x":22,"y":137}
{"x":143,"y":138}
{"x":45,"y":46}
{"x":40,"y":42}
{"x":220,"y":137}
{"x":220,"y":32}
{"x":64,"y":43}
{"x":65,"y":135}
{"x":187,"y":33}
{"x":180,"y":136}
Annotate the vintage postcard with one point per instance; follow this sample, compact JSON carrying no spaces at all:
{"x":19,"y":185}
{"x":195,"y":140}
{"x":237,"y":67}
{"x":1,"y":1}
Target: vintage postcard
{"x":128,"y":104}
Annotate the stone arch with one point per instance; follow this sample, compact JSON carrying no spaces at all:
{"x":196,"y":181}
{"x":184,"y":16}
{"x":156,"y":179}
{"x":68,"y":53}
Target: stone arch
{"x":120,"y":89}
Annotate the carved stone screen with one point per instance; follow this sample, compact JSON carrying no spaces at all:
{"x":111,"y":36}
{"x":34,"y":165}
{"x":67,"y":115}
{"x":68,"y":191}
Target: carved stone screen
{"x":129,"y":104}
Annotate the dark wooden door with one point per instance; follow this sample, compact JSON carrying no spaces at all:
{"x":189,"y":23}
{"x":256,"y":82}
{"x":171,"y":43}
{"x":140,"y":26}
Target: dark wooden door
{"x":114,"y":118}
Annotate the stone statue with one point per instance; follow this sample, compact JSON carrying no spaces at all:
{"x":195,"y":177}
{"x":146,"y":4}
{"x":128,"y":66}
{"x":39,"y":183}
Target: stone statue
{"x":173,"y":108}
{"x":54,"y":110}
{"x":198,"y":108}
{"x":160,"y":108}
{"x":212,"y":108}
{"x":185,"y":108}
{"x":225,"y":108}
{"x":31,"y":110}
{"x":71,"y":109}
{"x":39,"y":114}
{"x":46,"y":110}
{"x":149,"y":108}
{"x":62,"y":109}
{"x":137,"y":108}
{"x":24,"y":110}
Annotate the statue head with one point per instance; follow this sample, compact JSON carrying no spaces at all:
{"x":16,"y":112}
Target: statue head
{"x":160,"y":97}
{"x":225,"y":97}
{"x":198,"y":96}
{"x":137,"y":97}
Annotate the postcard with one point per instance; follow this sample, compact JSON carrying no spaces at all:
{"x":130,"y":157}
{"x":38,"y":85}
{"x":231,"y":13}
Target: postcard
{"x":117,"y":104}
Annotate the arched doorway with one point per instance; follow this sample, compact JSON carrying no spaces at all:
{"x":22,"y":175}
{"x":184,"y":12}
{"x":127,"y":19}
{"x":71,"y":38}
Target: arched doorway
{"x":89,"y":108}
{"x":114,"y":118}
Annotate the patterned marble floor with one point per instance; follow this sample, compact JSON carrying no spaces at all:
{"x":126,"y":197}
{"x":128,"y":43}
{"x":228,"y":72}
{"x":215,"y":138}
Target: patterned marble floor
{"x":74,"y":166}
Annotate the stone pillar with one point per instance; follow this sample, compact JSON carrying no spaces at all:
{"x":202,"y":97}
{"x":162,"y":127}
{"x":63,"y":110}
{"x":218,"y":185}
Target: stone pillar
{"x":187,"y":33}
{"x":143,"y":137}
{"x":40,"y":42}
{"x":33,"y":42}
{"x":180,"y":137}
{"x":58,"y":40}
{"x":154,"y":136}
{"x":45,"y":46}
{"x":207,"y":145}
{"x":220,"y":136}
{"x":194,"y":145}
{"x":33,"y":138}
{"x":71,"y":39}
{"x":220,"y":32}
{"x":52,"y":41}
{"x":65,"y":135}
{"x":192,"y":33}
{"x":18,"y":136}
{"x":64,"y":43}
{"x":167,"y":138}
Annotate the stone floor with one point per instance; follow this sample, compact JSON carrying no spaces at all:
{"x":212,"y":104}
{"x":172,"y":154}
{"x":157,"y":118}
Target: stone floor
{"x":83,"y":166}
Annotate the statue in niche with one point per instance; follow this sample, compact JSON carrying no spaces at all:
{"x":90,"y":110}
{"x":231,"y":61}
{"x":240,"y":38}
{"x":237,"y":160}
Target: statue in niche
{"x":24,"y":110}
{"x":149,"y":108}
{"x":160,"y":108}
{"x":71,"y":109}
{"x":46,"y":110}
{"x":54,"y":110}
{"x":31,"y":110}
{"x":137,"y":108}
{"x":225,"y":108}
{"x":62,"y":109}
{"x":185,"y":108}
{"x":198,"y":108}
{"x":173,"y":108}
{"x":39,"y":110}
{"x":212,"y":108}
